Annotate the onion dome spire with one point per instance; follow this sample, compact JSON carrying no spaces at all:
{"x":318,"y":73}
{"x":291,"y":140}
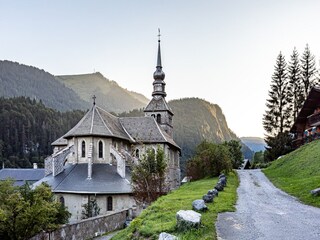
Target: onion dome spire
{"x":159,"y":75}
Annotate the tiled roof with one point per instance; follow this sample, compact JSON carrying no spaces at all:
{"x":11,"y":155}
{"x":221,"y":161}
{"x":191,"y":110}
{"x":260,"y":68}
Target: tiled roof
{"x":105,"y":180}
{"x":20,"y":175}
{"x":98,"y":122}
{"x":146,"y":129}
{"x":159,"y":104}
{"x":60,"y":142}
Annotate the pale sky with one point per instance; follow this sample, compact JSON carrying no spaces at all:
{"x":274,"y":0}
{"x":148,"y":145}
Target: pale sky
{"x":222,"y":51}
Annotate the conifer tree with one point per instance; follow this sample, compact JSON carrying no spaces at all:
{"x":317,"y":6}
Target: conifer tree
{"x":308,"y":71}
{"x":295,"y":89}
{"x":276,"y":120}
{"x":277,"y":117}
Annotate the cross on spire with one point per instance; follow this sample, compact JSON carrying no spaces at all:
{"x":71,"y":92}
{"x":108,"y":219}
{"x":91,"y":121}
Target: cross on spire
{"x":94,"y":99}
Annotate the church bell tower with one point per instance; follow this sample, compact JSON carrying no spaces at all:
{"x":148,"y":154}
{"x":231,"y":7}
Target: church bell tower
{"x":158,"y":107}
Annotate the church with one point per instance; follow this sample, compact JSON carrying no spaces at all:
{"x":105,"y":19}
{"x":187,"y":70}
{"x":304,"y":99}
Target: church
{"x":92,"y":160}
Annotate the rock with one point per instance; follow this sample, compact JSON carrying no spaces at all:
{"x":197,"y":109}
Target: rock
{"x":167,"y":236}
{"x":199,"y":205}
{"x":223,"y":181}
{"x":219,"y":187}
{"x":208,"y":198}
{"x":213,"y":192}
{"x":315,"y":192}
{"x":187,"y":219}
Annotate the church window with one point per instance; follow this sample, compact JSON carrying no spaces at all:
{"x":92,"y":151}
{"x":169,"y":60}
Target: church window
{"x":158,"y":118}
{"x":137,"y":153}
{"x":61,"y":200}
{"x":100,"y":148}
{"x":83,"y":149}
{"x":109,"y":203}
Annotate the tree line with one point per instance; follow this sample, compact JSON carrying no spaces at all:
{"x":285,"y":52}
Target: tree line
{"x":28,"y":128}
{"x":290,"y":85}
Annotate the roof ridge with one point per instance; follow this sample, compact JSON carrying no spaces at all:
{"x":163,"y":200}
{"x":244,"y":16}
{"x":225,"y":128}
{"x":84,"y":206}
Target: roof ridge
{"x":126,"y":131}
{"x":104,"y":122}
{"x":160,"y":130}
{"x":73,"y":167}
{"x":92,"y":118}
{"x":79,"y":123}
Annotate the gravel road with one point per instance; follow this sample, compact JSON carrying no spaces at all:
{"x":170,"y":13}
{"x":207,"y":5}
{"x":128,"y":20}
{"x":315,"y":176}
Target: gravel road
{"x":265,"y":212}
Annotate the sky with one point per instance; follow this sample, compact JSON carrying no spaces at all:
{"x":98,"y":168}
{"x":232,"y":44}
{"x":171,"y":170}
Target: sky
{"x":223,"y":51}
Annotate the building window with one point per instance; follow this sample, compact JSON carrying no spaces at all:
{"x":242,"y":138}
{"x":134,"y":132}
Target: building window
{"x":100,"y":147}
{"x":158,"y":118}
{"x":83,"y":149}
{"x":61,"y":200}
{"x":137,"y":153}
{"x":109,"y":203}
{"x":152,"y":115}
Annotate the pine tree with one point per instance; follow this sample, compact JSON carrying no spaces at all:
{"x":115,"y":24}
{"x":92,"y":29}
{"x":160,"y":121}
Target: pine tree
{"x":277,"y":117}
{"x":295,"y":89}
{"x":308,"y":71}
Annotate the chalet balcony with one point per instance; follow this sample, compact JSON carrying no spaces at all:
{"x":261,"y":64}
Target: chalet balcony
{"x":314,"y":119}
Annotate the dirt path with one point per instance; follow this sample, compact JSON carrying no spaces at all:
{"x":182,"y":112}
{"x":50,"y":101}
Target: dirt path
{"x":265,"y":212}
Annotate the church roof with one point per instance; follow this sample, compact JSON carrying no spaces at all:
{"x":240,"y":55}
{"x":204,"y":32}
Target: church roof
{"x":105,"y":180}
{"x":98,"y":122}
{"x":159,"y":104}
{"x":146,"y":129}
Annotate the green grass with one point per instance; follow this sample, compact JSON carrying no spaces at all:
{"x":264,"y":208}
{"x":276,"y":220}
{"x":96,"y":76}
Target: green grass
{"x":298,"y":172}
{"x":161,"y":215}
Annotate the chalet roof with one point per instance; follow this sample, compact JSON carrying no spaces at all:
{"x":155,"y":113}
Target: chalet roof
{"x":158,"y":104}
{"x":105,"y":180}
{"x":98,"y":122}
{"x":312,"y":101}
{"x":21,"y":175}
{"x":146,"y":130}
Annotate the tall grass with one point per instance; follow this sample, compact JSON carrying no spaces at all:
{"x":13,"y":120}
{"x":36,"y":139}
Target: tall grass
{"x":161,"y":215}
{"x":298,"y":172}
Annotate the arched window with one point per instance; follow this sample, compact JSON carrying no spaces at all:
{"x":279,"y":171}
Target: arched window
{"x":100,"y":148}
{"x":61,"y":200}
{"x":158,"y":118}
{"x":137,"y":153}
{"x":109,"y":203}
{"x":83,"y":149}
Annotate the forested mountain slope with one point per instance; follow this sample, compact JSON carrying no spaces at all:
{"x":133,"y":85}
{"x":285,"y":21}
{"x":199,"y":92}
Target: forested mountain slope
{"x":110,"y":95}
{"x":22,"y":80}
{"x":256,"y":144}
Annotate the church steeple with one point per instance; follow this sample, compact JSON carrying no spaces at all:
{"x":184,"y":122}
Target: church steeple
{"x":158,"y":107}
{"x":158,"y":75}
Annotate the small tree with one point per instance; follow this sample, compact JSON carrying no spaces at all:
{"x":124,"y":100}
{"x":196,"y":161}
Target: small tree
{"x":91,"y":209}
{"x":236,"y":153}
{"x":277,"y":146}
{"x":26,"y":212}
{"x":148,"y":176}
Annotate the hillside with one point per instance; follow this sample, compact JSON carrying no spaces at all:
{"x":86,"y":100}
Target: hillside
{"x":298,"y":172}
{"x":256,"y":144}
{"x":110,"y":95}
{"x":196,"y":120}
{"x":22,"y":80}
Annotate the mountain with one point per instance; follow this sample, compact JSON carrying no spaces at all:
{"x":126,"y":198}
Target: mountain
{"x":22,"y":80}
{"x":196,"y":120}
{"x":256,"y":144}
{"x":110,"y":95}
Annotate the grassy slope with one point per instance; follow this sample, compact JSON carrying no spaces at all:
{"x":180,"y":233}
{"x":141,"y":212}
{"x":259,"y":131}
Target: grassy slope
{"x":161,"y":215}
{"x":298,"y":172}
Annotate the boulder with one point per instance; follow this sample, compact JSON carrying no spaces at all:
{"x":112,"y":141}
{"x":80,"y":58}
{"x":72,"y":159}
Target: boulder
{"x":167,"y":236}
{"x":223,"y":181}
{"x":208,"y":198}
{"x":199,"y":205}
{"x":213,"y":192}
{"x":315,"y":192}
{"x":187,"y":219}
{"x":219,"y":187}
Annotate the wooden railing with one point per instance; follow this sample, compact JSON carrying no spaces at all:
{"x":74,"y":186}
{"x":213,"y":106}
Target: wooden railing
{"x":314,"y":119}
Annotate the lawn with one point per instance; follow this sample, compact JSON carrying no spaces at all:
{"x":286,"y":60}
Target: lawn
{"x":298,"y":172}
{"x":161,"y":215}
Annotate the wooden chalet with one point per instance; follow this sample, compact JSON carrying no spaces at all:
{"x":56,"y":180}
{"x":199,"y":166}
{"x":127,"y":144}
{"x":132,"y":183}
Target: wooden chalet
{"x":307,"y":125}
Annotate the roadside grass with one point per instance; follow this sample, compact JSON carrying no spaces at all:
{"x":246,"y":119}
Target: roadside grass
{"x":298,"y":172}
{"x":161,"y":215}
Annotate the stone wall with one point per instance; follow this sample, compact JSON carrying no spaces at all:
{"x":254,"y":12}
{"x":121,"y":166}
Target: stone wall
{"x":88,"y":228}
